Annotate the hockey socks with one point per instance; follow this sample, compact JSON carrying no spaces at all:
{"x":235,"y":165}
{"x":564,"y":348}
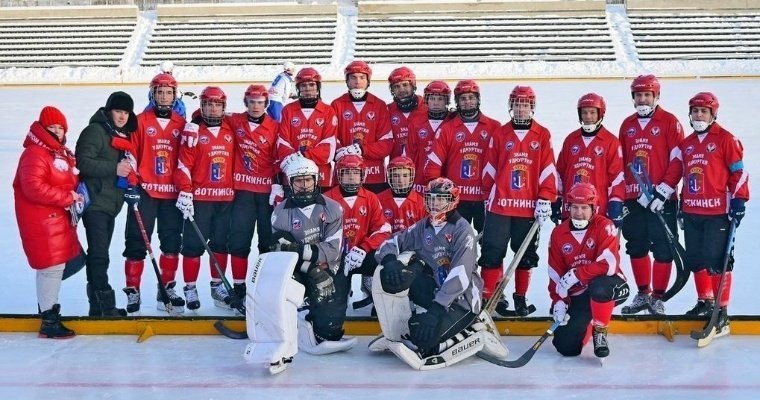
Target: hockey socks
{"x":704,"y":285}
{"x":642,"y":273}
{"x":169,"y":264}
{"x":725,"y":295}
{"x":601,"y":312}
{"x":191,"y":266}
{"x":133,"y":270}
{"x":522,"y":280}
{"x":221,"y":258}
{"x":239,"y":268}
{"x":660,"y":277}
{"x":491,"y":277}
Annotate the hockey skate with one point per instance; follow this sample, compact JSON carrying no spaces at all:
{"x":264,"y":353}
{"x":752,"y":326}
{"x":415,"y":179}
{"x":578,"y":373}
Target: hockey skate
{"x":51,"y":327}
{"x":601,"y":347}
{"x":133,"y":299}
{"x":191,"y":296}
{"x":702,"y":308}
{"x":220,"y":296}
{"x":657,"y":307}
{"x":177,"y":302}
{"x":522,"y":308}
{"x":640,"y":303}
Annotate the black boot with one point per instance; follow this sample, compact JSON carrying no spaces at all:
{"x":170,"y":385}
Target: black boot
{"x":94,"y":303}
{"x":107,"y":300}
{"x":522,"y":308}
{"x":51,"y":327}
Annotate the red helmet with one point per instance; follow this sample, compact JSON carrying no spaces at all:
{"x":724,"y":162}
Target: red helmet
{"x":582,"y":193}
{"x":163,"y":80}
{"x":646,"y":83}
{"x":358,"y":67}
{"x":254,"y":92}
{"x":592,"y":100}
{"x":308,"y":74}
{"x":348,"y":163}
{"x":401,"y":74}
{"x":705,"y":99}
{"x":466,"y":86}
{"x":400,"y":162}
{"x":522,"y":93}
{"x":438,"y":87}
{"x":213,"y":94}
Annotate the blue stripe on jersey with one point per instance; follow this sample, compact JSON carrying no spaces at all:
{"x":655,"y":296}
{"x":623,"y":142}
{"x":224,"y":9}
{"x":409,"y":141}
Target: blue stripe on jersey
{"x":737,"y":166}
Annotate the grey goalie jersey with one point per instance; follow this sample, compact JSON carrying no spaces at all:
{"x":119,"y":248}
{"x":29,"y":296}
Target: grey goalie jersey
{"x":319,"y":225}
{"x":450,"y":253}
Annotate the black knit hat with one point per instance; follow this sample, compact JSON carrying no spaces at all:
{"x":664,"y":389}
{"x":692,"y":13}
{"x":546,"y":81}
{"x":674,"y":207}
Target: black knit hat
{"x":120,"y":101}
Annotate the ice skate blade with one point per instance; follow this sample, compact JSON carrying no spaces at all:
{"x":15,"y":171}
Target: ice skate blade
{"x":276,"y":368}
{"x":175,"y":309}
{"x":221,"y":304}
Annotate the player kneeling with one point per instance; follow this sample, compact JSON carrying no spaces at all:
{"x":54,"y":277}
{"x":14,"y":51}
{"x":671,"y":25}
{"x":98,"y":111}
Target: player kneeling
{"x":433,"y":264}
{"x":307,"y":236}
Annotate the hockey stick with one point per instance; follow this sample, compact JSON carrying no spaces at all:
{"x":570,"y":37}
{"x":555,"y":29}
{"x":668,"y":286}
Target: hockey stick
{"x":240,"y":308}
{"x":526,"y":357}
{"x":229,"y":332}
{"x":679,"y":253}
{"x":161,"y":286}
{"x":493,"y":301}
{"x":709,"y":329}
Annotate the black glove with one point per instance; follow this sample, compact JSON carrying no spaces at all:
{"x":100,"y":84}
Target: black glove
{"x":736,"y":212}
{"x":397,"y":277}
{"x":131,"y":196}
{"x":237,"y":303}
{"x":294,"y":247}
{"x":556,"y":216}
{"x":425,"y":329}
{"x":323,"y":283}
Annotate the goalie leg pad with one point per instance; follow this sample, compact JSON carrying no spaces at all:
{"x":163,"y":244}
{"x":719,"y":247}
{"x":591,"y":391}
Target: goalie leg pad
{"x":393,"y":310}
{"x":272,"y":300}
{"x":493,"y":344}
{"x":463,"y":345}
{"x":307,"y":340}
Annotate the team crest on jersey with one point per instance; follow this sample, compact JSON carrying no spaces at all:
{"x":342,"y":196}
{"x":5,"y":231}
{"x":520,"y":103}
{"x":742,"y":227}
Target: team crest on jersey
{"x":655,"y":131}
{"x":320,"y":122}
{"x":322,"y":217}
{"x":534,"y":145}
{"x":409,"y":214}
{"x":248,"y":161}
{"x":581,"y":176}
{"x":162,"y":163}
{"x":484,"y":134}
{"x":262,"y":139}
{"x":459,"y":136}
{"x":575,"y":149}
{"x":348,"y":115}
{"x":469,"y":167}
{"x":217,"y":169}
{"x":631,"y":132}
{"x":363,"y":211}
{"x":175,"y":133}
{"x":422,"y":133}
{"x":590,"y":244}
{"x":428,"y":239}
{"x":598,"y":150}
{"x":448,"y":237}
{"x":388,"y":213}
{"x":689,"y":149}
{"x":295,"y":121}
{"x":228,"y":138}
{"x":240,"y":132}
{"x":296,"y":224}
{"x":395,"y":120}
{"x":711,"y":147}
{"x":567,"y":248}
{"x":203,"y":139}
{"x":151,"y":131}
{"x":371,"y":115}
{"x":696,"y":181}
{"x":510,"y":145}
{"x":519,"y":177}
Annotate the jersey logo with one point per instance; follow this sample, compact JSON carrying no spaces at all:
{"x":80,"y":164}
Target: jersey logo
{"x":371,"y":115}
{"x":163,"y":165}
{"x":240,"y":132}
{"x":631,"y":132}
{"x":428,"y":239}
{"x":422,"y":133}
{"x":567,"y":248}
{"x":295,"y":121}
{"x":296,"y":224}
{"x":581,"y":176}
{"x":696,"y":180}
{"x":459,"y":136}
{"x":335,"y":120}
{"x":689,"y":149}
{"x":484,"y":134}
{"x":363,"y":211}
{"x":469,"y":167}
{"x":151,"y":131}
{"x":591,"y":244}
{"x":395,"y":120}
{"x":510,"y":145}
{"x":711,"y":147}
{"x":641,"y":162}
{"x":388,"y":213}
{"x":203,"y":139}
{"x":320,"y":122}
{"x":409,"y":214}
{"x":175,"y":133}
{"x":248,"y":161}
{"x":448,"y":237}
{"x":575,"y":149}
{"x":348,"y":115}
{"x":598,"y":150}
{"x":655,"y":131}
{"x":217,"y":169}
{"x":228,"y":138}
{"x":534,"y":145}
{"x":519,"y":176}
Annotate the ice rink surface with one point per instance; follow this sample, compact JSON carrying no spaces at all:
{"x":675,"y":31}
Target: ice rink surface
{"x":185,"y":367}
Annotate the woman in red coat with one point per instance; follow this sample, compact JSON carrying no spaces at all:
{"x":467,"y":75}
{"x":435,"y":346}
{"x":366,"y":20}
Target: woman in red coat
{"x":45,"y":192}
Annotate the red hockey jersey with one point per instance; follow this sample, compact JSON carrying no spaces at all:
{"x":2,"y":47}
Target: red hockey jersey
{"x":206,"y":169}
{"x":593,"y":252}
{"x":458,"y":154}
{"x":255,"y":153}
{"x":402,"y":212}
{"x":419,"y":144}
{"x":370,"y":128}
{"x":519,"y":169}
{"x":363,"y":221}
{"x":400,"y":125}
{"x":655,"y":144}
{"x":156,"y":145}
{"x":313,"y":136}
{"x":597,"y":160}
{"x":713,"y":172}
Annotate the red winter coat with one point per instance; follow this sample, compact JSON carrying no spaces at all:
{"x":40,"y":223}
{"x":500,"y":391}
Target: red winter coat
{"x":42,"y":190}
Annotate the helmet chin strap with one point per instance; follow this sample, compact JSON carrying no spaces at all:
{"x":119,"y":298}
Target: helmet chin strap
{"x":579,"y":223}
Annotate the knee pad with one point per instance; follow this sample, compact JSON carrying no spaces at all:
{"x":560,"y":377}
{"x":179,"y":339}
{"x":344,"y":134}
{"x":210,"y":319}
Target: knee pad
{"x":393,"y":309}
{"x":395,"y":277}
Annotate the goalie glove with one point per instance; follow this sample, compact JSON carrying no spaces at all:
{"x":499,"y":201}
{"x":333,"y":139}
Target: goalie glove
{"x":566,"y":282}
{"x":354,"y":259}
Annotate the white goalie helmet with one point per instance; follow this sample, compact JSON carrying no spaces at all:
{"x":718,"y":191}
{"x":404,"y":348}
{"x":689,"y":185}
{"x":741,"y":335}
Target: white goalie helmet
{"x":294,"y":166}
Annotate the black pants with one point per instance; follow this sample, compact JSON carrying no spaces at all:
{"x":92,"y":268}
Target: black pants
{"x":327,"y":317}
{"x":422,"y":293}
{"x":473,"y":212}
{"x":213,"y":219}
{"x":250,"y":210}
{"x":568,"y":339}
{"x":706,"y":237}
{"x":500,"y":231}
{"x":376,"y":187}
{"x":169,"y":227}
{"x":644,"y":232}
{"x":99,"y":231}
